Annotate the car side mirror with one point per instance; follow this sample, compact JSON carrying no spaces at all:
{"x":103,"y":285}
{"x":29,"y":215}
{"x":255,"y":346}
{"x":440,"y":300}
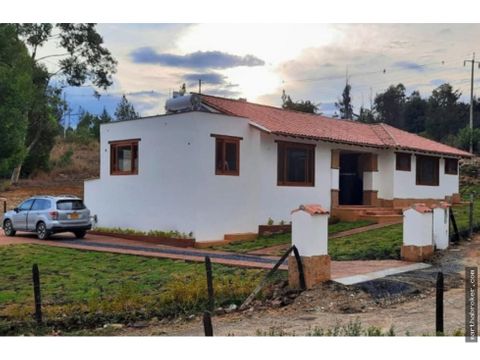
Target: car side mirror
{"x":16,"y":209}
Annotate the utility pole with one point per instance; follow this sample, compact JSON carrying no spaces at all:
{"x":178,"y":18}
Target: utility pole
{"x":471,"y":97}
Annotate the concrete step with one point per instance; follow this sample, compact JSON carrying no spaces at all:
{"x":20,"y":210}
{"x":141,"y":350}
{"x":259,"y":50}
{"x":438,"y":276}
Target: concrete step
{"x":382,"y":219}
{"x":381,"y":212}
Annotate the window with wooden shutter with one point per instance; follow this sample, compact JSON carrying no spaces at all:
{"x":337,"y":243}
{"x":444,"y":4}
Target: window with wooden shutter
{"x":427,"y":170}
{"x":295,"y":164}
{"x":124,"y":157}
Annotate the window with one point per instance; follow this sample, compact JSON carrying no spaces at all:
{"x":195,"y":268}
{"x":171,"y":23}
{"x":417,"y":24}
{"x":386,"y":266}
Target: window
{"x":403,"y":162}
{"x":70,"y":205}
{"x":451,"y":166}
{"x":295,"y":166}
{"x":124,"y":157}
{"x":427,"y":170}
{"x":25,"y":206}
{"x":227,"y":155}
{"x":41,"y":204}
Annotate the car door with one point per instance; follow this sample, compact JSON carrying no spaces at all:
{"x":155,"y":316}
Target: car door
{"x":38,"y":209}
{"x":19,"y":219}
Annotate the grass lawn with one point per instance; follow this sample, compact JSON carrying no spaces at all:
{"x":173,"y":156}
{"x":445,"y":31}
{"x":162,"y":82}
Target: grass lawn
{"x":268,"y":241}
{"x":82,"y":288}
{"x":383,"y":243}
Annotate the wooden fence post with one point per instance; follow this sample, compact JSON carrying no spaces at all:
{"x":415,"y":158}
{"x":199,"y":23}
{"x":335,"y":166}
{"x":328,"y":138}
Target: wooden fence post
{"x":454,"y":224}
{"x":4,"y":206}
{"x":211,"y":298}
{"x":207,"y":323}
{"x":301,"y":274}
{"x":439,"y":304}
{"x":470,"y":218}
{"x":37,"y":294}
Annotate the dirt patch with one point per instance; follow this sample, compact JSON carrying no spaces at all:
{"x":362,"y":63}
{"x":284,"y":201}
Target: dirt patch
{"x":403,"y":302}
{"x":15,"y":194}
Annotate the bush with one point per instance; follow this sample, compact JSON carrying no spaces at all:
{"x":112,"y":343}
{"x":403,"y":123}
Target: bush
{"x":66,"y":159}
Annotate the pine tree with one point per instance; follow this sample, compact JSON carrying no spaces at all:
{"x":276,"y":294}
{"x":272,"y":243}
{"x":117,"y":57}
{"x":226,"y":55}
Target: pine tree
{"x":125,"y":110}
{"x":344,"y":105}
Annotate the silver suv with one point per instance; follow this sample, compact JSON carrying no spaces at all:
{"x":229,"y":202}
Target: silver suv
{"x":46,"y":215}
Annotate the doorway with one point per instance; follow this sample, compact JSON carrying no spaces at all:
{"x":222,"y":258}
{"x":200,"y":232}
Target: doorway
{"x":351,"y":179}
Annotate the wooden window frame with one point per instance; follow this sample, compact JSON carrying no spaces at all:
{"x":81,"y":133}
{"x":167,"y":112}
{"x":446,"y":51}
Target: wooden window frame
{"x":309,"y":148}
{"x":397,"y":163}
{"x":436,"y":175}
{"x":224,"y":140}
{"x":448,"y":170}
{"x":113,"y":156}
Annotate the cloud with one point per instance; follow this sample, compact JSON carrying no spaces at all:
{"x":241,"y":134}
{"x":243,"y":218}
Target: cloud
{"x":207,"y":78}
{"x":437,"y":82}
{"x":409,"y":65}
{"x":195,"y":60}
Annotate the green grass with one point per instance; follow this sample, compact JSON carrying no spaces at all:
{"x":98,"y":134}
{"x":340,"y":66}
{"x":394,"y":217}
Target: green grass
{"x":83,"y":288}
{"x":383,"y":243}
{"x":268,"y":241}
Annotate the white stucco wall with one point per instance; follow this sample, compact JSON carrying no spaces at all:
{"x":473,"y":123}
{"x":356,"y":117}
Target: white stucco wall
{"x":176,"y":187}
{"x":417,"y":228}
{"x":276,"y":202}
{"x":385,"y":174}
{"x":441,"y":224}
{"x":310,"y":233}
{"x":405,"y":187}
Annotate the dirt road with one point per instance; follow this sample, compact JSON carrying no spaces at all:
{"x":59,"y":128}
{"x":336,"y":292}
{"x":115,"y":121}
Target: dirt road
{"x":326,"y":307}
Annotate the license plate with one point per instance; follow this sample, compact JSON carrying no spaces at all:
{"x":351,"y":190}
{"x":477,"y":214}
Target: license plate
{"x":73,"y":216}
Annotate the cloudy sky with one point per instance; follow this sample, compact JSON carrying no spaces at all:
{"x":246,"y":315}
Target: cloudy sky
{"x":259,"y":61}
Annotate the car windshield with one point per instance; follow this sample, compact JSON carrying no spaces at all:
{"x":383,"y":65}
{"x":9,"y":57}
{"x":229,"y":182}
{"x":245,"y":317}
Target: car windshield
{"x":70,"y":205}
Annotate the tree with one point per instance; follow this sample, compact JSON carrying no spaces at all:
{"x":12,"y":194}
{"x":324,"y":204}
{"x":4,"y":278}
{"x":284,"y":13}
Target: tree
{"x":445,"y":115}
{"x":15,"y":98}
{"x":344,"y":105}
{"x":464,"y":136}
{"x":104,"y":118}
{"x":389,"y":106}
{"x":415,"y":113}
{"x":125,"y":110}
{"x":302,"y":106}
{"x":82,"y":59}
{"x":366,"y":116}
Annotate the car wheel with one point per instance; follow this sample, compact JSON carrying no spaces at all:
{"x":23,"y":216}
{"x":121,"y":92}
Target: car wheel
{"x":42,"y":232}
{"x":8,"y":228}
{"x":80,"y":234}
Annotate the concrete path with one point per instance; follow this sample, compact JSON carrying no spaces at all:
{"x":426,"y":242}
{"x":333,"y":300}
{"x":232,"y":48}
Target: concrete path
{"x":340,"y":269}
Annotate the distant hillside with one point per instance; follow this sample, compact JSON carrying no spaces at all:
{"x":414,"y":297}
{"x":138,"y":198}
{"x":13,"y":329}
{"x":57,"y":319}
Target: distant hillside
{"x":72,"y":162}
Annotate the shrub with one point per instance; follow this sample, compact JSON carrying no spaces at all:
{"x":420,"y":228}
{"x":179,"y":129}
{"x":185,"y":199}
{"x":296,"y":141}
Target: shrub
{"x":66,"y":159}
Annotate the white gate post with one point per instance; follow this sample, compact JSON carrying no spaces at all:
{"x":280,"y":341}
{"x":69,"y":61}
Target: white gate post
{"x":417,"y":233}
{"x":310,"y":236}
{"x":441,"y":225}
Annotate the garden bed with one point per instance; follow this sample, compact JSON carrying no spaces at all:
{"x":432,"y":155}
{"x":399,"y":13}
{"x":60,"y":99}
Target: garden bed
{"x":162,"y":240}
{"x":274,"y":229}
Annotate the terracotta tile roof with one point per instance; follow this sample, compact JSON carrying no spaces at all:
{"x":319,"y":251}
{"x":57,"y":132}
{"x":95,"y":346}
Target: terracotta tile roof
{"x":293,"y":123}
{"x":312,"y":209}
{"x":442,"y":205}
{"x":420,"y":207}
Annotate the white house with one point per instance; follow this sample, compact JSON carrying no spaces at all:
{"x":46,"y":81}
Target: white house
{"x":216,"y":166}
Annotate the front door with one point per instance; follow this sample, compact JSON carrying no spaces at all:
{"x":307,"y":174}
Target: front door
{"x":19,"y":219}
{"x":351,"y":179}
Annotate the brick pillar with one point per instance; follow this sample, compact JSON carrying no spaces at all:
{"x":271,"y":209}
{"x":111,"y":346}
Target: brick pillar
{"x":310,"y":236}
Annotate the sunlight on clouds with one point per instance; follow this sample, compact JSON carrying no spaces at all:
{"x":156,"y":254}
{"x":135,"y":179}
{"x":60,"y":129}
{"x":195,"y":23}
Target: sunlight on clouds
{"x":254,"y":82}
{"x":273,"y":43}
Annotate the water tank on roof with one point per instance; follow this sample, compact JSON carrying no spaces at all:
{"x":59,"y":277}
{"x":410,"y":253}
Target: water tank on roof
{"x":183,"y":103}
